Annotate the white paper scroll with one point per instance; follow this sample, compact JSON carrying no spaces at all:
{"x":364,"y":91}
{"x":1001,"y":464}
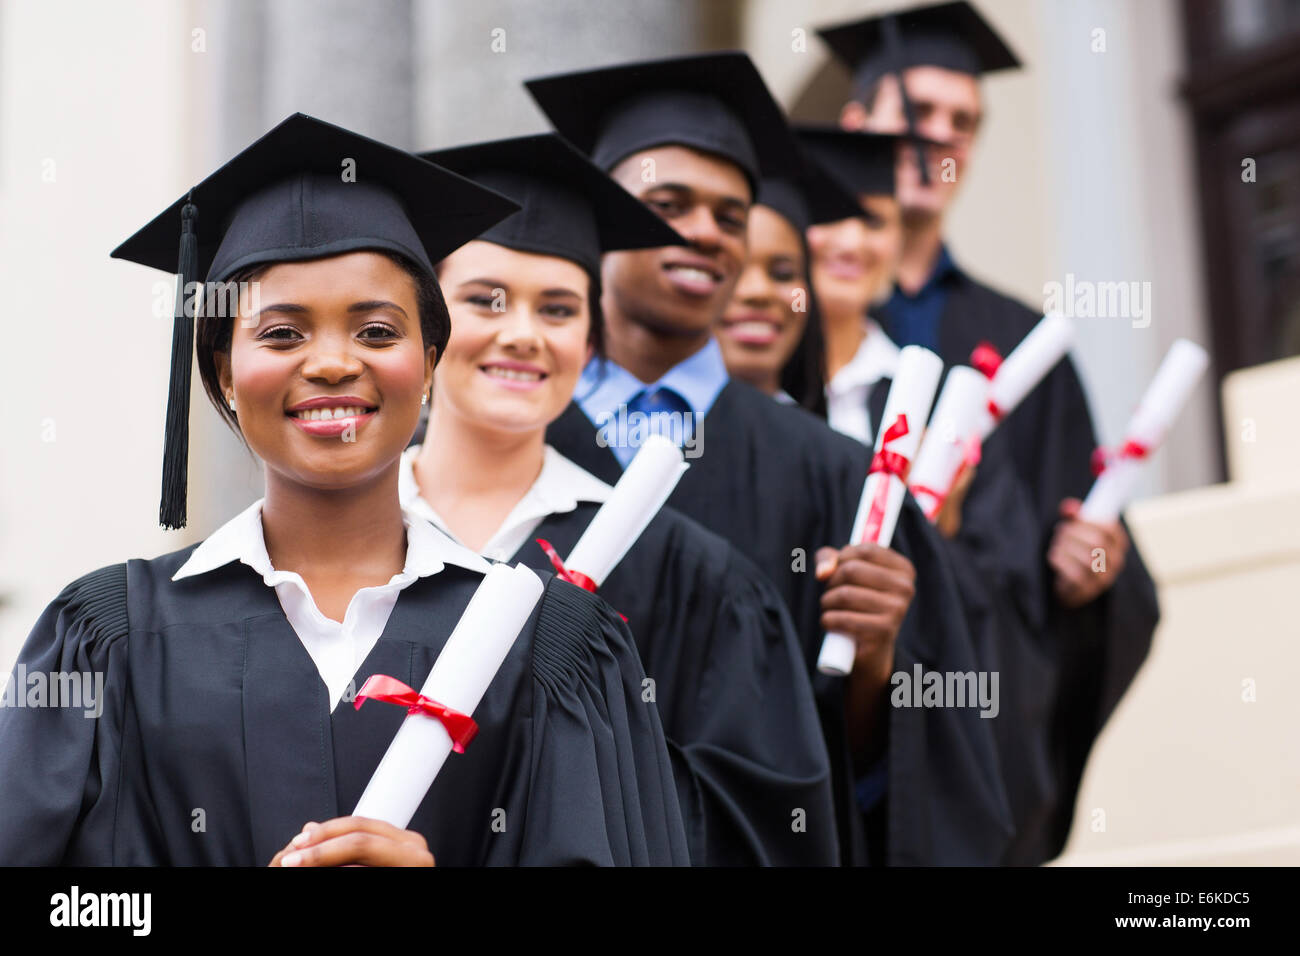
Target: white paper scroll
{"x":911,"y":396}
{"x":954,"y":425}
{"x":1163,"y":400}
{"x":636,"y":499}
{"x":470,"y":659}
{"x":1026,"y":366}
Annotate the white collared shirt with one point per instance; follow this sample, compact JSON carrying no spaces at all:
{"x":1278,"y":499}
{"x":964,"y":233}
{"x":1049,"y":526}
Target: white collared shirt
{"x":559,"y":487}
{"x":846,"y":393}
{"x":337,"y":648}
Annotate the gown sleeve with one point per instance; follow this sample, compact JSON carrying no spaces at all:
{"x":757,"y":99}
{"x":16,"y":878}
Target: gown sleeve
{"x":601,"y":787}
{"x":59,"y":765}
{"x":753,"y":770}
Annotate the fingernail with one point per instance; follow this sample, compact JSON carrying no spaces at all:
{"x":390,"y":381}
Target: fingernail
{"x":825,"y":567}
{"x":302,"y":839}
{"x":291,"y":859}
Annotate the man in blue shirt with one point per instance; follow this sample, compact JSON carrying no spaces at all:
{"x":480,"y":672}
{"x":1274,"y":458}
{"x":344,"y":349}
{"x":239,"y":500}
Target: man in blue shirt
{"x":690,"y":137}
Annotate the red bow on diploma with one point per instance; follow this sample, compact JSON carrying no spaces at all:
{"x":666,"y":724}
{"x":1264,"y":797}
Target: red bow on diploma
{"x":1102,"y":457}
{"x":970,"y":459}
{"x":460,"y":727}
{"x":889,"y":463}
{"x":573,"y":577}
{"x":985,"y":358}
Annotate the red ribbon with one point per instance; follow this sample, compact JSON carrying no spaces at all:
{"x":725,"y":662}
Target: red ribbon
{"x":888,"y":463}
{"x":969,"y":460}
{"x":460,"y":727}
{"x":573,"y":577}
{"x":988,"y":360}
{"x":1102,"y":457}
{"x":567,"y":574}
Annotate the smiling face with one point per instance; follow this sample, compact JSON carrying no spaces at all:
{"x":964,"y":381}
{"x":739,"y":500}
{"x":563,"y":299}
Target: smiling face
{"x":854,"y":260}
{"x":327,"y":376}
{"x":519,"y":336}
{"x":681,"y":290}
{"x":768,"y":311}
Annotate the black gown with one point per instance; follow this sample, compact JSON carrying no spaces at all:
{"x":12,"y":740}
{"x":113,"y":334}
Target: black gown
{"x":1087,"y":657}
{"x":778,"y":483}
{"x":752,"y":771}
{"x":216,"y":743}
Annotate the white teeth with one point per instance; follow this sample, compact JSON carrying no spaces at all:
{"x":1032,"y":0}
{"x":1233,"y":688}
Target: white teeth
{"x":327,"y":414}
{"x":690,"y":273}
{"x":517,"y":375}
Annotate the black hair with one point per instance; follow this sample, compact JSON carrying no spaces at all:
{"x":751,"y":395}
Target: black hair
{"x":803,"y":377}
{"x":212,"y":335}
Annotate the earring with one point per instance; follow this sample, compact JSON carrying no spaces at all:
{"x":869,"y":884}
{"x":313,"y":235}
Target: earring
{"x":424,"y":399}
{"x":231,"y":401}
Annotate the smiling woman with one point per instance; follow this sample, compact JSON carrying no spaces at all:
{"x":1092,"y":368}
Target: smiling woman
{"x":246,"y":650}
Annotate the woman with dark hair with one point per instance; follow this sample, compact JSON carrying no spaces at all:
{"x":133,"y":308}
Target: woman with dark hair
{"x":725,"y":668}
{"x":227,"y":733}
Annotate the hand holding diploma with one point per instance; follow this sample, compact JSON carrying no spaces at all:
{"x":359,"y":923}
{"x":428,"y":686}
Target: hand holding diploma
{"x":470,"y":659}
{"x":1088,"y":550}
{"x":897,"y":437}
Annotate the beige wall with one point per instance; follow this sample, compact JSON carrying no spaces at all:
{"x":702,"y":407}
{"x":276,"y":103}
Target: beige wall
{"x":100,"y":96}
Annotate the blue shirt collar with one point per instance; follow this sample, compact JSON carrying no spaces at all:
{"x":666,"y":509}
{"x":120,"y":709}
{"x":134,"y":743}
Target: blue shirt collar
{"x":605,"y":385}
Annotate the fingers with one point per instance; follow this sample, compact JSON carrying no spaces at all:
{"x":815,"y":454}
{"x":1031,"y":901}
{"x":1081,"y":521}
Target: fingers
{"x":857,"y":573}
{"x":355,"y":840}
{"x":1070,"y":507}
{"x":825,"y":562}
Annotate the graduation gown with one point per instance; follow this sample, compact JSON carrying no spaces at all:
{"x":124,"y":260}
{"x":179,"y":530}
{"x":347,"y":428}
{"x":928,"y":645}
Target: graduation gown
{"x":778,"y":483}
{"x":1087,"y":656}
{"x":216,"y":743}
{"x":730,"y":684}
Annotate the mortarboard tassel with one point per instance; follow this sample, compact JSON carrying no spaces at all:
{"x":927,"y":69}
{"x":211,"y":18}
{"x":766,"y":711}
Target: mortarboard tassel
{"x":894,"y":44}
{"x":176,"y":442}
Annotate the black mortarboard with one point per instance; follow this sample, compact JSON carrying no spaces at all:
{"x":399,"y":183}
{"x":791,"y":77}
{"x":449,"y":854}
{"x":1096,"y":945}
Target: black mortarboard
{"x":305,"y":190}
{"x":949,"y":35}
{"x":571,"y":208}
{"x":713,"y":102}
{"x":860,"y":163}
{"x":808,"y":197}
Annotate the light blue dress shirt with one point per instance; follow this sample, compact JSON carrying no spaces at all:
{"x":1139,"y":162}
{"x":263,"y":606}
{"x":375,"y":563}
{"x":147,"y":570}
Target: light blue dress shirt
{"x":606,"y":390}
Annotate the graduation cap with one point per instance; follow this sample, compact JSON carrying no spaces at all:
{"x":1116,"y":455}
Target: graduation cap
{"x":713,"y":102}
{"x":305,"y":190}
{"x":858,"y":163}
{"x":571,"y":208}
{"x":949,"y":35}
{"x":808,"y":197}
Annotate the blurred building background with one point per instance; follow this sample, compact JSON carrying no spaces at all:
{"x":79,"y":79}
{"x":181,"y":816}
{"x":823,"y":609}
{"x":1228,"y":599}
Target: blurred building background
{"x":1153,"y":142}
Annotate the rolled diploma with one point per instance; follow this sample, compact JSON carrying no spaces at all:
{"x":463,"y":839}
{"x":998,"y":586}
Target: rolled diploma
{"x":1026,"y":366}
{"x":470,"y":659}
{"x":636,"y":499}
{"x":957,"y":415}
{"x":1164,"y":398}
{"x":911,"y":395}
